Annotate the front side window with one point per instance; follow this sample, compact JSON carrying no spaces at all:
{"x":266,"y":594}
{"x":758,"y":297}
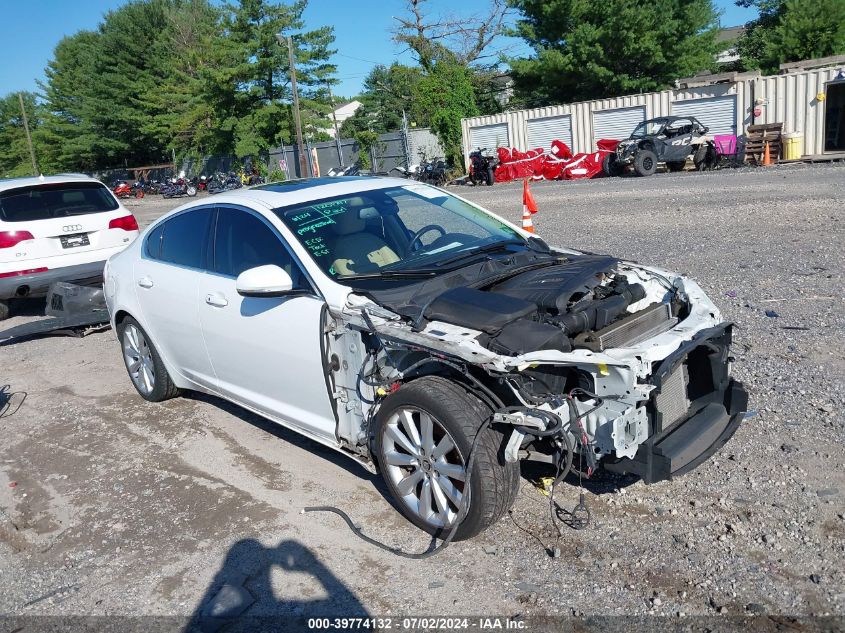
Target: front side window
{"x":242,"y":241}
{"x":184,"y":238}
{"x":55,"y":200}
{"x":393,"y":231}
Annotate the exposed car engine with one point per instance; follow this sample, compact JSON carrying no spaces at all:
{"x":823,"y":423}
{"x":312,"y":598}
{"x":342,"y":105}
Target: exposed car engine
{"x":581,"y":303}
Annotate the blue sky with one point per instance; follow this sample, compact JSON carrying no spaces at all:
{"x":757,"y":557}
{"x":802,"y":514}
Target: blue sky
{"x":362,"y":28}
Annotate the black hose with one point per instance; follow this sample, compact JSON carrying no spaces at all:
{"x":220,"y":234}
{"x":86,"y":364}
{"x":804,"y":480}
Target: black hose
{"x":459,"y":517}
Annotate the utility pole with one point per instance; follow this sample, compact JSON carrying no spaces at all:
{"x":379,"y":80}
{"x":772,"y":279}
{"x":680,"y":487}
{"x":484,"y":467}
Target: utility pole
{"x":336,"y":131}
{"x":303,"y":163}
{"x":28,"y":137}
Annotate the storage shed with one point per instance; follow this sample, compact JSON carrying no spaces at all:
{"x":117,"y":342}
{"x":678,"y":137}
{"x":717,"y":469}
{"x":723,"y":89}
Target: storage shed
{"x":807,"y":97}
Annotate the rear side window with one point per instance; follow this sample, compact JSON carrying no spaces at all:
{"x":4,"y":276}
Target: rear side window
{"x":184,"y":239}
{"x":243,"y":241}
{"x":49,"y":201}
{"x":153,"y":243}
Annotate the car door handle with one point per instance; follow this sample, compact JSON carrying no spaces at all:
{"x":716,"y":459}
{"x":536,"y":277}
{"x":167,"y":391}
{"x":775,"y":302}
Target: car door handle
{"x":145,"y":282}
{"x":217,"y":300}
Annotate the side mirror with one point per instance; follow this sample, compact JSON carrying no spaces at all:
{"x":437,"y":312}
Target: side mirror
{"x":264,"y":281}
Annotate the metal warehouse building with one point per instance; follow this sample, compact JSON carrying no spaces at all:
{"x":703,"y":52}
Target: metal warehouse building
{"x":807,"y":97}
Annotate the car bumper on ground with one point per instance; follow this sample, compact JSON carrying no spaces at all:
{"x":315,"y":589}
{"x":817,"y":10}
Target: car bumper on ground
{"x":35,"y":284}
{"x":714,"y":406}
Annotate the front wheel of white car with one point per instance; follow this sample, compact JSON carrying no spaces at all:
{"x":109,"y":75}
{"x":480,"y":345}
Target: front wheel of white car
{"x":423,"y":437}
{"x":143,"y":363}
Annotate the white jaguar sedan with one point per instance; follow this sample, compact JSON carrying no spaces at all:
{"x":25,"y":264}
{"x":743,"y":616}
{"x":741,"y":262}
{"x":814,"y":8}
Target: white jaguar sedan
{"x":427,"y":338}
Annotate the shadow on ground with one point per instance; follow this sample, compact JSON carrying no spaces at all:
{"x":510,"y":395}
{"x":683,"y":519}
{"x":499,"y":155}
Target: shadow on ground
{"x":272,"y":589}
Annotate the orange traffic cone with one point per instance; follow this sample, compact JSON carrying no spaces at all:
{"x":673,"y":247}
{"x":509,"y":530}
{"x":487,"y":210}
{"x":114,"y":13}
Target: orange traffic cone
{"x":767,"y":159}
{"x":527,"y":224}
{"x":529,"y":207}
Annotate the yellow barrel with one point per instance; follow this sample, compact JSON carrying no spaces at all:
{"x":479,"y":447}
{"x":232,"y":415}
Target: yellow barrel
{"x":793,"y":145}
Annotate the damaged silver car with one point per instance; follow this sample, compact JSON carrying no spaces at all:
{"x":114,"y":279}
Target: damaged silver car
{"x":427,"y":338}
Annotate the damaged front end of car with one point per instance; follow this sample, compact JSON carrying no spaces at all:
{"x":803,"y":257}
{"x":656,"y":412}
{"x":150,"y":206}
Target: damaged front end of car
{"x":589,"y":362}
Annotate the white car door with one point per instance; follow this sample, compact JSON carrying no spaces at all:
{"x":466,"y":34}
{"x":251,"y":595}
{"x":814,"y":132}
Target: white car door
{"x":166,"y":278}
{"x":265,"y":351}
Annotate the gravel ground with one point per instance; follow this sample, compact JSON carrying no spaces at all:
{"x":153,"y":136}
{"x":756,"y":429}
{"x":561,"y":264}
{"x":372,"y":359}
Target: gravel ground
{"x":109,"y":505}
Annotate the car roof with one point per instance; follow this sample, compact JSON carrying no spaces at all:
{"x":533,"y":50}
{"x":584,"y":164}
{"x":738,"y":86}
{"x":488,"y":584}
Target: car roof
{"x":668,"y":119}
{"x":14,"y":183}
{"x":290,"y":192}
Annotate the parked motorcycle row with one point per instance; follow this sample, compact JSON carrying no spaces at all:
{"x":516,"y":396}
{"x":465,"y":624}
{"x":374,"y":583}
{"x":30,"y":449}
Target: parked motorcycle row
{"x":179,"y":186}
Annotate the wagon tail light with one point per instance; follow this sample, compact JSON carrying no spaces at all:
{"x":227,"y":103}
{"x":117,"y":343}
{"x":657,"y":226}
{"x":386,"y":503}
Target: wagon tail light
{"x":127,"y":223}
{"x":18,"y":273}
{"x":8,"y":239}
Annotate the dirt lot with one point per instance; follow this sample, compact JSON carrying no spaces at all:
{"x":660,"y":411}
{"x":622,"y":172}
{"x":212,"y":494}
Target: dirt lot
{"x":110,"y":505}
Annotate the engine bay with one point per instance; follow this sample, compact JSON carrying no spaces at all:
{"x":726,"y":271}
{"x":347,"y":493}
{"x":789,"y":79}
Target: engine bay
{"x":576,"y":302}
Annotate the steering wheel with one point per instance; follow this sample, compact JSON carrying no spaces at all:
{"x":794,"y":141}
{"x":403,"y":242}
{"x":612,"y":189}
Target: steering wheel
{"x":415,"y":240}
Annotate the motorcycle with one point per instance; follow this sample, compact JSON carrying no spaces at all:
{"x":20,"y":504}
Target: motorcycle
{"x":433,"y":172}
{"x":411,"y":172}
{"x":223,"y":182}
{"x":178,"y":187}
{"x":123,"y":190}
{"x":349,"y":170}
{"x":481,"y":168}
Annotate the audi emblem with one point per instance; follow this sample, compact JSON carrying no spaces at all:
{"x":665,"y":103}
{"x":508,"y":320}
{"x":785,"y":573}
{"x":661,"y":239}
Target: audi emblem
{"x":71,"y":228}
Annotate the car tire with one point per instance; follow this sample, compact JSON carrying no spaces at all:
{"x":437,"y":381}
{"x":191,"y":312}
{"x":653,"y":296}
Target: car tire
{"x":5,"y":310}
{"x":610,"y":166}
{"x":413,"y":468}
{"x":699,"y":159}
{"x":150,"y":378}
{"x":645,"y":162}
{"x":676,"y":166}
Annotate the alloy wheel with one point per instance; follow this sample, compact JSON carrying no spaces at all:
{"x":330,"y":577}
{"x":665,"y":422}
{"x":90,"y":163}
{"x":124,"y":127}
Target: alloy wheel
{"x":423,"y":462}
{"x":139,"y":359}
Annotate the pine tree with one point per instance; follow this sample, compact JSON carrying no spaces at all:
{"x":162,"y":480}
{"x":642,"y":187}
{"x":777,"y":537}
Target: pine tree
{"x":588,"y":50}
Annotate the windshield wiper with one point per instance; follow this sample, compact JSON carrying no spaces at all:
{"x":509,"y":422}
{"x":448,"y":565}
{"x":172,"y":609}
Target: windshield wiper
{"x":489,"y":248}
{"x":393,"y":274}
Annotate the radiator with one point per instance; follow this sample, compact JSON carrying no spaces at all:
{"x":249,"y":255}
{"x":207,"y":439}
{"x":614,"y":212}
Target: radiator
{"x":632,"y":329}
{"x":672,"y":402}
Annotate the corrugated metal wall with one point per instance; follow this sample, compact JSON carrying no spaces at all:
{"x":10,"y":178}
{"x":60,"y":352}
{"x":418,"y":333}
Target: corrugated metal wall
{"x":789,"y":98}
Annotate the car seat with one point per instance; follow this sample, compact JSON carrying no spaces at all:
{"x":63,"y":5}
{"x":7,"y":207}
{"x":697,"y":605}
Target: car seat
{"x":356,"y":249}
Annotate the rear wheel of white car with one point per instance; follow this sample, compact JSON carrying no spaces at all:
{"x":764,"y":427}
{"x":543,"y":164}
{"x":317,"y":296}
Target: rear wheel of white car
{"x":143,"y":363}
{"x":4,"y":310}
{"x":423,"y":438}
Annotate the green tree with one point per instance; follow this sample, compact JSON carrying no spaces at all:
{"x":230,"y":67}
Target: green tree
{"x":387,"y":91}
{"x":14,"y":151}
{"x":446,"y":95}
{"x":262,"y":115}
{"x":71,"y":127}
{"x":587,"y":50}
{"x":451,"y":52}
{"x":193,"y":83}
{"x":790,"y":31}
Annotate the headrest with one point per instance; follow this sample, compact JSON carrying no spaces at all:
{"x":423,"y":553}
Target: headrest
{"x":73,"y":197}
{"x":350,"y":221}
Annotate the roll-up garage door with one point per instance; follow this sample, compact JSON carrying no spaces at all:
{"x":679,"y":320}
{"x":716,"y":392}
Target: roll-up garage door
{"x":489,"y":137}
{"x":616,"y":124}
{"x":541,"y":132}
{"x":718,"y":114}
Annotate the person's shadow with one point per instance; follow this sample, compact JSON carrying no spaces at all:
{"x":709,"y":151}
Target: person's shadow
{"x":241,"y":595}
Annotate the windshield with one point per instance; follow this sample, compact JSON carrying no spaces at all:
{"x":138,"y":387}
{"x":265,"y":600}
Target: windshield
{"x":648,"y":128}
{"x":48,"y":201}
{"x":395,"y":232}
